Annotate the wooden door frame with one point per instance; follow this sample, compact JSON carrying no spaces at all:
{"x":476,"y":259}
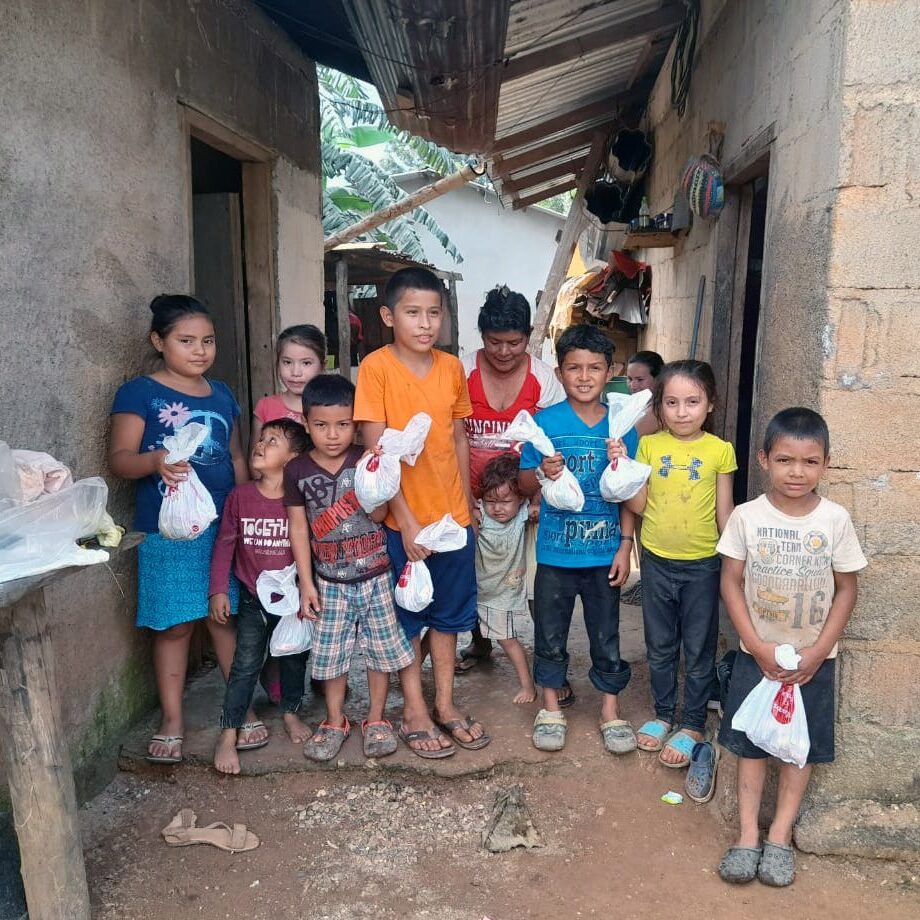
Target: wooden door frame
{"x":259,"y":223}
{"x":734,"y":231}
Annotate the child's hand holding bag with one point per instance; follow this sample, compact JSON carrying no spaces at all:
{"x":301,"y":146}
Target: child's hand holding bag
{"x":378,"y":474}
{"x":624,"y":477}
{"x":415,"y":590}
{"x":564,"y":492}
{"x":187,"y":509}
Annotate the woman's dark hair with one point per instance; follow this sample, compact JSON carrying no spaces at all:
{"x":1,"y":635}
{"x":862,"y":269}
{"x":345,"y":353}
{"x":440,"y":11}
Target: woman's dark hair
{"x":304,"y":335}
{"x":499,"y":471}
{"x":651,"y":359}
{"x":328,"y":390}
{"x":410,"y":279}
{"x":697,"y":371}
{"x":169,"y":309}
{"x":294,"y":432}
{"x":504,"y":311}
{"x":588,"y":338}
{"x":799,"y":423}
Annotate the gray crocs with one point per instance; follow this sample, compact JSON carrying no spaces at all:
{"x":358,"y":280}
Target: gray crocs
{"x":619,"y":737}
{"x":739,"y":865}
{"x":777,"y":865}
{"x":549,"y":731}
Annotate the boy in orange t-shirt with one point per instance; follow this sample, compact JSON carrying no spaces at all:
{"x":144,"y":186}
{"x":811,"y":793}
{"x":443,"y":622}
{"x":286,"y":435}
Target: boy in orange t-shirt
{"x":394,"y":383}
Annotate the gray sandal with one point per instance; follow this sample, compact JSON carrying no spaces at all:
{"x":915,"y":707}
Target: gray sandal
{"x":549,"y":731}
{"x":619,"y":737}
{"x":739,"y":864}
{"x":379,"y":738}
{"x":327,"y":741}
{"x":777,"y":865}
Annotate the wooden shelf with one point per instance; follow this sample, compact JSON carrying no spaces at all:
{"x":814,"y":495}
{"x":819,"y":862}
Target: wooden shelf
{"x":650,"y":239}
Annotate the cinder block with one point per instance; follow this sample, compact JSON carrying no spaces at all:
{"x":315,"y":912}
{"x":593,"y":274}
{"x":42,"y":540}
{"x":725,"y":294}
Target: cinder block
{"x":887,"y":608}
{"x":878,"y":687}
{"x":860,"y":828}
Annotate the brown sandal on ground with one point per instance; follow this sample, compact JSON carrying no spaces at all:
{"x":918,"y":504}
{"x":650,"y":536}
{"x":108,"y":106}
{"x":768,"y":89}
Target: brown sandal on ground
{"x":421,"y":735}
{"x":183,"y":831}
{"x":452,"y":726}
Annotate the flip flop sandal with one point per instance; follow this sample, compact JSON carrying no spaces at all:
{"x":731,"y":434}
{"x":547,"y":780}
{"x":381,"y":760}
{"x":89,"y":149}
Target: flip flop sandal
{"x":681,"y":742}
{"x":248,"y":727}
{"x":569,"y":700}
{"x":549,"y":731}
{"x":183,"y":831}
{"x":469,"y":659}
{"x":422,"y":735}
{"x":777,"y":865}
{"x":168,"y":740}
{"x":326,"y":741}
{"x":655,"y":729}
{"x":701,"y":777}
{"x":619,"y":738}
{"x":454,"y":725}
{"x":379,"y":738}
{"x":739,"y":865}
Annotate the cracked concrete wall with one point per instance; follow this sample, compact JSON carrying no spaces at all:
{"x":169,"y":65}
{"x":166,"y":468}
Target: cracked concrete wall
{"x":840,"y":317}
{"x":94,"y":221}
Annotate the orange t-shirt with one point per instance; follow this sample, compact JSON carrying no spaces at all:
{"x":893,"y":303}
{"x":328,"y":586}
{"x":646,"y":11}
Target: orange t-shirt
{"x":389,"y":392}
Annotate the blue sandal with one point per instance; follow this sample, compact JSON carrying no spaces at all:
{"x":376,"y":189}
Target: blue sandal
{"x":681,"y":742}
{"x":654,"y":729}
{"x":701,"y":777}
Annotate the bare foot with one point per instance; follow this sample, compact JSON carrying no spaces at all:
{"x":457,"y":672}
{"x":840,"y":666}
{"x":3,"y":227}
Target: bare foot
{"x":226,"y":760}
{"x":526,"y":695}
{"x":296,"y":730}
{"x":671,"y":755}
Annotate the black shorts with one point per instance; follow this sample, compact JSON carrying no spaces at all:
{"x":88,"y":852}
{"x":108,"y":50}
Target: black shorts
{"x":817,"y":696}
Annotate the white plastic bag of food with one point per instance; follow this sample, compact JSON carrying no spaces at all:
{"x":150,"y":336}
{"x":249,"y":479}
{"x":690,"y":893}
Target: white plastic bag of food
{"x":278,"y":591}
{"x":773,"y":715}
{"x":377,"y":475}
{"x":291,"y":636}
{"x":187,"y":509}
{"x":414,"y":589}
{"x":563,"y":493}
{"x":622,"y":479}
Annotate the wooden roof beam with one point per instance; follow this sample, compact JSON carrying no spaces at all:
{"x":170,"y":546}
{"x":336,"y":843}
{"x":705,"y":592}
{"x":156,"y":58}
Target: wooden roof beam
{"x":513,"y":186}
{"x":537,"y":197}
{"x":659,"y":21}
{"x":579,"y":139}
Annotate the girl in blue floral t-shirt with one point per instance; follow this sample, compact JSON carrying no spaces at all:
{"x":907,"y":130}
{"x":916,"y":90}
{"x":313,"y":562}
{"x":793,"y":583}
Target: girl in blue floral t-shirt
{"x":173,"y":575}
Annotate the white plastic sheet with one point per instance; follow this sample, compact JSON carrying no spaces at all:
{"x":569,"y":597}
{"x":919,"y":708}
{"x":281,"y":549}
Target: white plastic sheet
{"x":278,"y":592}
{"x":564,"y":493}
{"x":773,"y":716}
{"x":622,"y":479}
{"x":187,"y":509}
{"x":291,"y":636}
{"x":414,"y":589}
{"x":377,"y":476}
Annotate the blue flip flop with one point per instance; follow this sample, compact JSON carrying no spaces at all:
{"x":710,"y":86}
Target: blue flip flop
{"x":701,"y":777}
{"x":656,"y":729}
{"x":681,"y":742}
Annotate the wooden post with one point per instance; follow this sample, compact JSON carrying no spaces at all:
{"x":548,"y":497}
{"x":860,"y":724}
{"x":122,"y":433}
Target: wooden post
{"x":38,"y":766}
{"x":454,"y":312}
{"x":574,"y":224}
{"x":341,"y":307}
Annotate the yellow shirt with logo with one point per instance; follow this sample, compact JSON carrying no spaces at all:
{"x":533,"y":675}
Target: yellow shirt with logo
{"x":680,"y":517}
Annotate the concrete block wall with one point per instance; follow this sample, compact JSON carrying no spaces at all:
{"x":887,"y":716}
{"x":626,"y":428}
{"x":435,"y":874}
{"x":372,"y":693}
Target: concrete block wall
{"x":95,"y":221}
{"x":840,"y":317}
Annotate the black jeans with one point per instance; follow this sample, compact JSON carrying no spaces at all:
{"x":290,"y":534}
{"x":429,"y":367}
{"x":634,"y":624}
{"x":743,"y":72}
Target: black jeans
{"x":555,"y":590}
{"x":680,"y":608}
{"x":254,"y":627}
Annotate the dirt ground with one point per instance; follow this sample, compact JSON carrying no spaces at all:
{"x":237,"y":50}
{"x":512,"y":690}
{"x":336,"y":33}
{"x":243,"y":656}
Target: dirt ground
{"x":401,"y":839}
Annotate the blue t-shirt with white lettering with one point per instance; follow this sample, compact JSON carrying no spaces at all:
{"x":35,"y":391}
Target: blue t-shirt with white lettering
{"x":590,"y":537}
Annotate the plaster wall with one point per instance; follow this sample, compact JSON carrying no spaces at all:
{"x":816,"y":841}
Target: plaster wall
{"x":94,"y":221}
{"x":498,"y":245}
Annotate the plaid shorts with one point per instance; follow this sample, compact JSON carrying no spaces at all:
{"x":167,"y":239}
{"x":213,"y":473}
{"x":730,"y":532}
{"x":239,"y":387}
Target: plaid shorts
{"x":496,"y":623}
{"x":347,"y":609}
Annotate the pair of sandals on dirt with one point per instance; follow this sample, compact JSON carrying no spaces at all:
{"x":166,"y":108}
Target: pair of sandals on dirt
{"x":549,"y":730}
{"x":773,"y":864}
{"x":701,"y":756}
{"x":173,"y":743}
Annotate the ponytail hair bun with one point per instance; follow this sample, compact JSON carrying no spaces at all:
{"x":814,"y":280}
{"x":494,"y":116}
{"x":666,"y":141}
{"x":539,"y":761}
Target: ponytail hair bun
{"x":169,"y":309}
{"x":504,"y":311}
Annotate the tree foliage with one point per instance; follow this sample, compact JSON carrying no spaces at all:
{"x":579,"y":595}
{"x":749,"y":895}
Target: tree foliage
{"x":354,"y":184}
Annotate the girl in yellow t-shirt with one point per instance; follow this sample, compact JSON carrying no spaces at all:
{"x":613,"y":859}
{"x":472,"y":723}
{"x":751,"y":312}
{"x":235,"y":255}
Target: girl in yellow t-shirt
{"x":684,"y":506}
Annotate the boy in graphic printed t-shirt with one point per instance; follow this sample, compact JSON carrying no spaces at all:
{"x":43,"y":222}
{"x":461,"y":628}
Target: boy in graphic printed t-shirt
{"x":395,"y":383}
{"x":789,"y":564}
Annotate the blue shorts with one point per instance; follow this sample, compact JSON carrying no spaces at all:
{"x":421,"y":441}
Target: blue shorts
{"x":453,"y":575}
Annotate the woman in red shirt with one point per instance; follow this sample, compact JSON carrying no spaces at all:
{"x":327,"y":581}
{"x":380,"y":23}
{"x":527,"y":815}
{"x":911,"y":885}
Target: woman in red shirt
{"x":502,"y":378}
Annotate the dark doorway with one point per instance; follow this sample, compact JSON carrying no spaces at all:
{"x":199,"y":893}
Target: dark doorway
{"x":219,"y":260}
{"x":750,"y":322}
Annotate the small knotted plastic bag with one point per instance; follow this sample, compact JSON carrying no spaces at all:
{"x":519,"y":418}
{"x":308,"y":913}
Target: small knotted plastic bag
{"x":187,"y":509}
{"x":377,"y":475}
{"x":414,"y":589}
{"x":623,"y":478}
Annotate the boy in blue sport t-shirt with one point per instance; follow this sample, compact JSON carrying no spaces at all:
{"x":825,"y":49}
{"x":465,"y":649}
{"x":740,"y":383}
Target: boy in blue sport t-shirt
{"x":579,"y":554}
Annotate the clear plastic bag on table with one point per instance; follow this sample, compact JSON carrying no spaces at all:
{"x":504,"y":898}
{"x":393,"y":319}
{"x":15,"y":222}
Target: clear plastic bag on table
{"x":564,"y":493}
{"x":377,"y":475}
{"x":291,"y":636}
{"x":414,"y":589}
{"x":41,"y":536}
{"x":773,"y":716}
{"x":278,"y":591}
{"x":187,"y":509}
{"x":622,"y":479}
